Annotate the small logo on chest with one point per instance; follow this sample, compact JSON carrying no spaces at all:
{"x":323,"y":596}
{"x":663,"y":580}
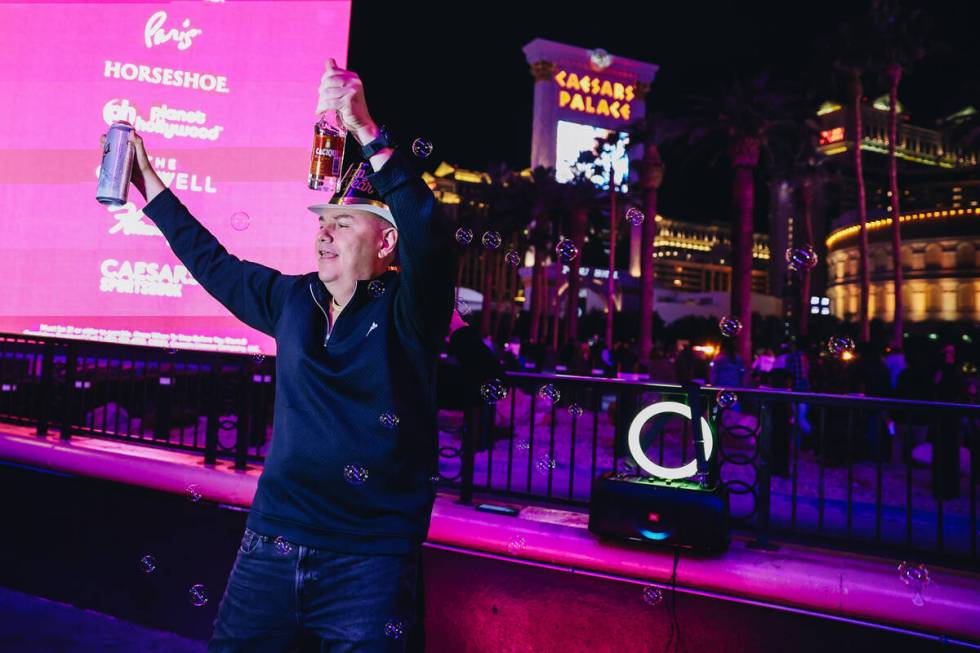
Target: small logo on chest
{"x":374,"y":325}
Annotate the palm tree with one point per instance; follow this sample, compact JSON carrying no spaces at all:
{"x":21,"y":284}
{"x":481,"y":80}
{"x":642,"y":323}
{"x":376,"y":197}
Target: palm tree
{"x":852,"y":57}
{"x":651,"y":133}
{"x":900,"y":38}
{"x":802,"y":163}
{"x":738,"y":122}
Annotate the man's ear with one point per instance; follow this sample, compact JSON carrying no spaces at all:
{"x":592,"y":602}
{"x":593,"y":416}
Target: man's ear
{"x":389,"y":240}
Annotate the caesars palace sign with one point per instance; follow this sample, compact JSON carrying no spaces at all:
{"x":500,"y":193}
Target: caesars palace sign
{"x":594,"y":95}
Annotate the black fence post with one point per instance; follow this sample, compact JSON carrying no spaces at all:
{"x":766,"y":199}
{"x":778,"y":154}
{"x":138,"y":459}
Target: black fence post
{"x":470,"y":435}
{"x":214,"y":402}
{"x":45,"y":394}
{"x":763,"y":477}
{"x":71,"y":363}
{"x":242,"y":431}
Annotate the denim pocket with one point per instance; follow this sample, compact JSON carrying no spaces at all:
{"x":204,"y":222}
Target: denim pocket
{"x":249,"y":540}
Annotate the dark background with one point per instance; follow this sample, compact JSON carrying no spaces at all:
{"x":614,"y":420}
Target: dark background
{"x":456,"y":74}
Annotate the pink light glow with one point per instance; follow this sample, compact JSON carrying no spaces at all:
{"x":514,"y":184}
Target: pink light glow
{"x":258,"y":67}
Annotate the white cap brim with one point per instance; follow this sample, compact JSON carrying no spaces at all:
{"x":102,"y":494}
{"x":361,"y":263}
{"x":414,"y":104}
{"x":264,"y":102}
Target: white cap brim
{"x":380,"y":211}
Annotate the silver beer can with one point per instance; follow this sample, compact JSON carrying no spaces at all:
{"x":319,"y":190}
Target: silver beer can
{"x":117,"y":165}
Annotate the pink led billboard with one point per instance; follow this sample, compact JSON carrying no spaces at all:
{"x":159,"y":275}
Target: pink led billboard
{"x":223,"y":94}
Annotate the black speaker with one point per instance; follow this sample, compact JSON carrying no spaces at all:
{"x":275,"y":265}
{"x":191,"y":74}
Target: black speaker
{"x":651,"y":510}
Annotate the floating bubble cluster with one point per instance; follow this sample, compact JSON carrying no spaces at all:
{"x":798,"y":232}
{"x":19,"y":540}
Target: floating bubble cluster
{"x":653,"y":596}
{"x":567,"y":251}
{"x":916,"y":577}
{"x":193,"y":493}
{"x":634,"y":216}
{"x":240,"y":221}
{"x":356,"y":474}
{"x":464,"y":235}
{"x":548,"y":392}
{"x":376,"y":288}
{"x":422,"y":148}
{"x":283,"y":547}
{"x":545,"y":464}
{"x":389,"y":420}
{"x":800,"y":258}
{"x":575,"y":410}
{"x":839,"y":345}
{"x":512,"y":258}
{"x":726,"y":399}
{"x":198,"y":595}
{"x":258,"y":359}
{"x":491,"y":240}
{"x":729,"y":326}
{"x":394,"y":629}
{"x":148,"y":564}
{"x":517,"y":545}
{"x":493,"y":391}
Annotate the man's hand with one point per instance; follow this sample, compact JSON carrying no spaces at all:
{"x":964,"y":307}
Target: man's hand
{"x":143,"y":177}
{"x":343,"y":92}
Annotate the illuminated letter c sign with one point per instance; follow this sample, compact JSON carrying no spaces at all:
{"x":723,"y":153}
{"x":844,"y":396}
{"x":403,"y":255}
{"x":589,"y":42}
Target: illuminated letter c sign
{"x":670,"y":473}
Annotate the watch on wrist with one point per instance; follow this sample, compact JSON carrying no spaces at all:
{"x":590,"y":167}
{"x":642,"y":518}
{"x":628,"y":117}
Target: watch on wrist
{"x":381,"y":142}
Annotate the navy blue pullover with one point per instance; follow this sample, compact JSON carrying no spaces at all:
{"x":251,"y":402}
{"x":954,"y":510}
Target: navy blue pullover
{"x":337,"y":475}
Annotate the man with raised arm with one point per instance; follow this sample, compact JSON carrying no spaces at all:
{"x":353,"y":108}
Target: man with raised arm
{"x":344,"y":501}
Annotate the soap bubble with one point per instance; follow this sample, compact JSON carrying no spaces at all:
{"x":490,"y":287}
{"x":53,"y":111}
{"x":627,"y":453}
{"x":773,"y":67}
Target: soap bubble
{"x":803,"y":257}
{"x":376,"y":288}
{"x":575,"y":410}
{"x":258,"y":358}
{"x":729,"y":326}
{"x":493,"y":391}
{"x":548,"y":392}
{"x":634,"y":216}
{"x":283,"y":547}
{"x":916,"y":577}
{"x":422,"y":148}
{"x":240,"y":221}
{"x":389,"y":420}
{"x":148,"y":564}
{"x":726,"y":399}
{"x":838,"y":345}
{"x":512,"y":258}
{"x":171,"y":351}
{"x":198,"y":595}
{"x":567,"y":250}
{"x":193,"y":493}
{"x":545,"y":464}
{"x":653,"y":596}
{"x":394,"y":629}
{"x":517,"y":545}
{"x":491,"y":240}
{"x":435,"y":478}
{"x":464,"y":235}
{"x":524,"y":445}
{"x":356,"y":474}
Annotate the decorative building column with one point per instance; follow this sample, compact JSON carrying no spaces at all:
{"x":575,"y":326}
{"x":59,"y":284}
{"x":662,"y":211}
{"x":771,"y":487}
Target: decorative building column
{"x":543,"y":152}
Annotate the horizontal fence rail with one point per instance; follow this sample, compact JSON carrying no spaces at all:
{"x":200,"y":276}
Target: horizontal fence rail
{"x":857,"y":472}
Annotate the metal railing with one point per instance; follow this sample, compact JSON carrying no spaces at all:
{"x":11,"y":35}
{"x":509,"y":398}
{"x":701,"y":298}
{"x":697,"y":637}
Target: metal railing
{"x":860,"y":473}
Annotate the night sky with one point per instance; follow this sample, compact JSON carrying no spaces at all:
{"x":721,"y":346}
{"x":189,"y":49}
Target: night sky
{"x":455,"y":73}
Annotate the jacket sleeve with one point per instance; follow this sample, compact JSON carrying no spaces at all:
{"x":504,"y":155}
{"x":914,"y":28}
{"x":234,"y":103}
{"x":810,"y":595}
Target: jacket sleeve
{"x":253,"y":293}
{"x":425,"y":253}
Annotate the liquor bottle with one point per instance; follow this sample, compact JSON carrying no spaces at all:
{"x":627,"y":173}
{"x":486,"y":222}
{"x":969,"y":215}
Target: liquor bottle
{"x":329,"y":135}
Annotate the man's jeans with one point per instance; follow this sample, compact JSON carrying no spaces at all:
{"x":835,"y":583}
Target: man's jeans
{"x":352,"y":602}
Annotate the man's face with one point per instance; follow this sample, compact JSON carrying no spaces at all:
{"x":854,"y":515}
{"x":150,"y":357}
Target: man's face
{"x":351,"y":244}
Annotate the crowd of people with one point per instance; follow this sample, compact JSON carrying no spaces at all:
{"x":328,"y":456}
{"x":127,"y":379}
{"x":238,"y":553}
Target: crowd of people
{"x":925,"y":371}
